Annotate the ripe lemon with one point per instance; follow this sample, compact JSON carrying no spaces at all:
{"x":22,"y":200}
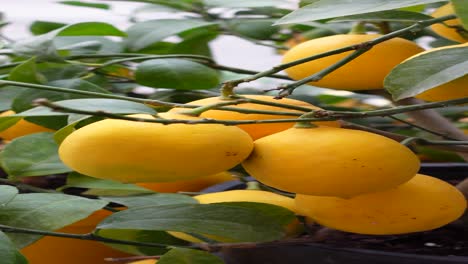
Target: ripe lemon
{"x":454,"y":89}
{"x":193,"y":185}
{"x":421,"y":204}
{"x":130,"y":151}
{"x":257,"y":130}
{"x":145,"y":261}
{"x":330,"y":161}
{"x":257,"y":196}
{"x":56,"y":250}
{"x":443,"y":30}
{"x":21,"y":128}
{"x":366,"y":72}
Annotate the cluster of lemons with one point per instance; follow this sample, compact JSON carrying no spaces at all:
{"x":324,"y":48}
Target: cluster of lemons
{"x":344,"y":179}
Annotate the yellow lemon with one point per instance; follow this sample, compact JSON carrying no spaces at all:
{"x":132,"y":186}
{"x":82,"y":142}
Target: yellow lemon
{"x":366,"y":72}
{"x":130,"y":151}
{"x":193,"y":185}
{"x":257,"y":196}
{"x":56,"y":250}
{"x":145,"y":261}
{"x":330,"y":161}
{"x":257,"y":130}
{"x":445,"y":31}
{"x":21,"y":128}
{"x":454,"y":89}
{"x":421,"y":204}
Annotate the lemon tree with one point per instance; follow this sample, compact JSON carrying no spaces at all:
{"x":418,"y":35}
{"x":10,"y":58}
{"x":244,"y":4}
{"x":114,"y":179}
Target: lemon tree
{"x":125,"y":142}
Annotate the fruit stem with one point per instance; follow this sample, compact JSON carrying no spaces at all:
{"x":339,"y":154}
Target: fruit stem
{"x":199,"y":110}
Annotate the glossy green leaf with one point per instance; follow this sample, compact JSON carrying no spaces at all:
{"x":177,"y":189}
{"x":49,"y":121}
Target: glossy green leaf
{"x":45,"y":211}
{"x":91,"y":29}
{"x":7,"y":94}
{"x":43,"y":45}
{"x":324,"y":9}
{"x":32,"y":155}
{"x":9,"y":254}
{"x":189,"y":256}
{"x":86,"y":4}
{"x":94,"y":104}
{"x":87,"y":44}
{"x":389,"y":15}
{"x":8,"y":121}
{"x":176,"y":74}
{"x":243,"y":3}
{"x":426,"y":71}
{"x":43,"y":27}
{"x":26,"y":72}
{"x":151,"y":199}
{"x":25,"y":100}
{"x":7,"y":193}
{"x":253,"y":28}
{"x":144,"y":34}
{"x":159,"y":237}
{"x":461,"y":10}
{"x":235,"y":221}
{"x":78,"y":180}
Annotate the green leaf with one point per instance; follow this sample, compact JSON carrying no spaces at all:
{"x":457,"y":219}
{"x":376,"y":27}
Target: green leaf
{"x":87,"y":44}
{"x":95,"y":104}
{"x":151,"y":199}
{"x":7,"y":193}
{"x":32,"y":155}
{"x":176,"y":74}
{"x":24,"y":100}
{"x":43,"y":27}
{"x":75,"y":179}
{"x":9,"y":254}
{"x":45,"y":211}
{"x":461,"y":10}
{"x":7,"y":94}
{"x":390,"y":15}
{"x":159,"y":237}
{"x":8,"y":121}
{"x":26,"y":72}
{"x":144,"y":34}
{"x":426,"y":71}
{"x":236,"y":222}
{"x":91,"y":29}
{"x":243,"y":3}
{"x":189,"y":256}
{"x":85,"y":4}
{"x":253,"y":28}
{"x":43,"y":46}
{"x":324,"y":9}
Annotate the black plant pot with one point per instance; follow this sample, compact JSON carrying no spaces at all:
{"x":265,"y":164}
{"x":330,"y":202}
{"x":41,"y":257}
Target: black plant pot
{"x":321,"y":254}
{"x":318,"y":253}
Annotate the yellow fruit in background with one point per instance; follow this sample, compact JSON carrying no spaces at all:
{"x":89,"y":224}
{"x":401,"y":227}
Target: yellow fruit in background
{"x":366,"y":72}
{"x":193,"y":185}
{"x":56,"y":250}
{"x":257,"y":130}
{"x":146,"y":261}
{"x":21,"y":128}
{"x":257,"y":196}
{"x":454,"y":89}
{"x":421,"y":204}
{"x":330,"y":161}
{"x":443,"y":30}
{"x":130,"y":151}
